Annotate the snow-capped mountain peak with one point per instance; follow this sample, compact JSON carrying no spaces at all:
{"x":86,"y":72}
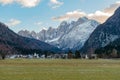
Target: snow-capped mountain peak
{"x":63,"y":23}
{"x":82,"y":20}
{"x":68,"y":35}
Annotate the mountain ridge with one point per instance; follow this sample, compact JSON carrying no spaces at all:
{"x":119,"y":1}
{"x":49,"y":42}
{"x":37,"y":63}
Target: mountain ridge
{"x":10,"y":42}
{"x":104,"y":34}
{"x":61,"y":37}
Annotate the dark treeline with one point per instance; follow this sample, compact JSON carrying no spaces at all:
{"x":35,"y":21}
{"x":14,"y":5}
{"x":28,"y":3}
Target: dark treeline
{"x":112,"y":50}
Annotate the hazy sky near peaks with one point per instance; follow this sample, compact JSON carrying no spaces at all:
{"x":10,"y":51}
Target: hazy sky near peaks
{"x":38,"y":14}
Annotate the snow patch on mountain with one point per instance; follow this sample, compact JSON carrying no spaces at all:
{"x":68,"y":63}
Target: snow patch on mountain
{"x":109,"y":39}
{"x":53,"y":40}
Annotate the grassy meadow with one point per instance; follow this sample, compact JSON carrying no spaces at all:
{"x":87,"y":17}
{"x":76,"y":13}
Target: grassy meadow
{"x":41,"y":69}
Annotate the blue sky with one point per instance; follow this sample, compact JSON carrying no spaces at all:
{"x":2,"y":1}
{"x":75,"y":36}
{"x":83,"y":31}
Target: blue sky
{"x":38,"y":14}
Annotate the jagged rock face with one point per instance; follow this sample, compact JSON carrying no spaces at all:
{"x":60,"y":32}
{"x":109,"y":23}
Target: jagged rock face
{"x":68,"y":35}
{"x":9,"y":41}
{"x":77,"y":36}
{"x":104,"y":34}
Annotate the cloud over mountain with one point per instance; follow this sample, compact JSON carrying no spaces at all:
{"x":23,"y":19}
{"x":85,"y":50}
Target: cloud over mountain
{"x":100,"y":15}
{"x":69,"y":15}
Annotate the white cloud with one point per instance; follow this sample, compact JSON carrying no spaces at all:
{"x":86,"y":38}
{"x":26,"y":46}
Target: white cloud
{"x":100,"y":16}
{"x":23,"y":3}
{"x":103,"y":15}
{"x":99,"y":13}
{"x":70,"y":15}
{"x":31,"y":3}
{"x":55,"y":3}
{"x":28,"y":3}
{"x":112,"y":7}
{"x":4,"y":2}
{"x":13,"y":22}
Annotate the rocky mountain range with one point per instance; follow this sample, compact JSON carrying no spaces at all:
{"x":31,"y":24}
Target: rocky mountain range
{"x":11,"y":42}
{"x":104,"y":34}
{"x":67,"y":35}
{"x":85,"y":34}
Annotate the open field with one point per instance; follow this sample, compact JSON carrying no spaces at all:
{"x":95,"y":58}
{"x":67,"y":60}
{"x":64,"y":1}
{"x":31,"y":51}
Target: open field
{"x":37,"y":69}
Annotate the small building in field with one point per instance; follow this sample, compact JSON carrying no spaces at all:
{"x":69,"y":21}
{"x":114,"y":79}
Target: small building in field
{"x":36,"y":55}
{"x":93,"y":56}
